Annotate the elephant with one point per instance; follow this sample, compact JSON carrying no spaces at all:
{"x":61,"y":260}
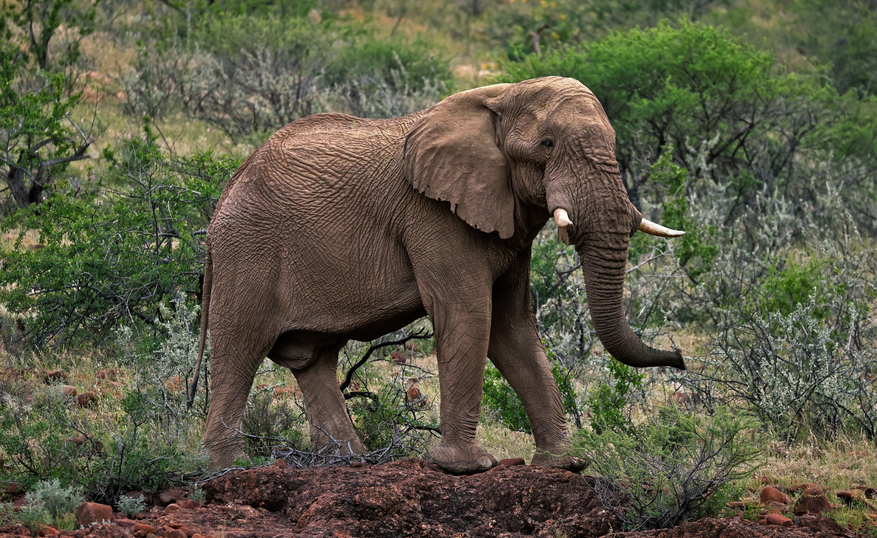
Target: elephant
{"x":341,"y":228}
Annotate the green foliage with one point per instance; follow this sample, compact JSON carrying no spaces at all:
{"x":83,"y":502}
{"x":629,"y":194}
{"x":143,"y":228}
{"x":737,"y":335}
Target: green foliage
{"x":56,"y":500}
{"x":269,"y":424}
{"x":673,"y":467}
{"x":131,"y":506}
{"x":696,"y":249}
{"x":374,"y":60}
{"x":842,"y":35}
{"x":721,"y":104}
{"x":501,"y":399}
{"x":609,"y":401}
{"x":36,"y":142}
{"x":113,"y":257}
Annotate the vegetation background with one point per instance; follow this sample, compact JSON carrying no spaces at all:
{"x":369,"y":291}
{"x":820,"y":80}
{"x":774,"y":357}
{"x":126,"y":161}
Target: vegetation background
{"x":751,"y":125}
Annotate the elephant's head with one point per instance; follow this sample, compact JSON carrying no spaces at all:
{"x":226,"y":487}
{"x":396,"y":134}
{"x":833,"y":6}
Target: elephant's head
{"x":509,"y":155}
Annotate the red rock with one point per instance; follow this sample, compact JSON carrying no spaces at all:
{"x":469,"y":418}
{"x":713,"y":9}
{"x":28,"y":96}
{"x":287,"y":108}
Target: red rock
{"x":813,"y":501}
{"x":46,"y":530}
{"x":187,"y":503}
{"x":188,"y":531}
{"x":125,"y":523}
{"x":413,"y":394}
{"x":171,"y":508}
{"x":171,"y":495}
{"x":770,"y":493}
{"x":280,"y":462}
{"x":89,"y":513}
{"x":848,"y":497}
{"x":777,"y":519}
{"x":398,"y":357}
{"x":174,"y":533}
{"x":68,"y":390}
{"x":86,"y":399}
{"x":13,"y":488}
{"x":54,"y":376}
{"x":197,"y":535}
{"x":737,"y":505}
{"x":680,"y":397}
{"x":512,"y":461}
{"x":111,"y":374}
{"x":144,"y":528}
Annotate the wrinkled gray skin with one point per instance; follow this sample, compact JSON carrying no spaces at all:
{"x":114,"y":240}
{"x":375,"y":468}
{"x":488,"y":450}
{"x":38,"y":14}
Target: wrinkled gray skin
{"x":343,"y":228}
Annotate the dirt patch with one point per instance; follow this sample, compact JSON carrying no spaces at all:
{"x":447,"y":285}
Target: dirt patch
{"x":415,"y":498}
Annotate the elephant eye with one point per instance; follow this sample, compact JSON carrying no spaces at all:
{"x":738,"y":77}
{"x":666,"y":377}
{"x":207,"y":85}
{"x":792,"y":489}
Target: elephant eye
{"x":548,"y":143}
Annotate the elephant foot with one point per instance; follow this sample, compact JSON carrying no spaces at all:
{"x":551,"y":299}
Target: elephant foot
{"x":461,"y":460}
{"x":561,"y":460}
{"x":223,"y":456}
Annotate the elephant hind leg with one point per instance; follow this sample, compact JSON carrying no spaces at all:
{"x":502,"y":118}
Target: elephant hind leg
{"x":330,"y":425}
{"x":233,"y":370}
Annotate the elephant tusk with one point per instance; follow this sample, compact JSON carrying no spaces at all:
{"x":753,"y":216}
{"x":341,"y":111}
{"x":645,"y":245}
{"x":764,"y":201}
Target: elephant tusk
{"x":651,"y":228}
{"x":564,"y":225}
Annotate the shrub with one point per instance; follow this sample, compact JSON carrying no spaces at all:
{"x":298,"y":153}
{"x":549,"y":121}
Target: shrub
{"x":131,"y":506}
{"x":673,"y":467}
{"x":113,"y":257}
{"x":608,"y":402}
{"x":501,"y":399}
{"x":722,"y":105}
{"x":50,"y":496}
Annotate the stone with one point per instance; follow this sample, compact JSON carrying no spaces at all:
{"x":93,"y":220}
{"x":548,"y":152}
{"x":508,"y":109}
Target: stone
{"x":125,"y":523}
{"x":770,"y":493}
{"x":413,"y":395}
{"x":511,"y":461}
{"x":779,"y":520}
{"x":188,"y":531}
{"x":54,"y":377}
{"x":111,"y":374}
{"x":280,"y":462}
{"x":68,"y":390}
{"x":171,"y":508}
{"x":46,"y":530}
{"x":89,"y":513}
{"x":174,"y":533}
{"x":144,"y":528}
{"x":171,"y":496}
{"x":398,"y":357}
{"x":812,"y":501}
{"x":86,"y":399}
{"x":187,"y":504}
{"x":847,"y":497}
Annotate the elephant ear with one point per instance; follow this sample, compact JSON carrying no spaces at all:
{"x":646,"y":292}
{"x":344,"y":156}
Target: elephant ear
{"x":451,"y":155}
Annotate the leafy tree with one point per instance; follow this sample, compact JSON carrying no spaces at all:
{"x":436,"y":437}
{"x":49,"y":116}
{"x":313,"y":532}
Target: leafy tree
{"x":37,"y":136}
{"x":724,"y":107}
{"x":114,"y":256}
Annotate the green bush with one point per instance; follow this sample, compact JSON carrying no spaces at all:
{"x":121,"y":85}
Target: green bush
{"x":673,"y":467}
{"x":50,"y":496}
{"x":608,"y":402}
{"x":499,"y":398}
{"x":114,"y":256}
{"x":723,"y":106}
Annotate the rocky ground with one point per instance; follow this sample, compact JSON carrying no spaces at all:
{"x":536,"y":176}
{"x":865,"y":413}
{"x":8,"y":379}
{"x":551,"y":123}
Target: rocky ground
{"x":412,"y":498}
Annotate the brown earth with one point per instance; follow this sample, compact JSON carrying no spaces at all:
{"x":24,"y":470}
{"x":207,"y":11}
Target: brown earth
{"x":413,"y":498}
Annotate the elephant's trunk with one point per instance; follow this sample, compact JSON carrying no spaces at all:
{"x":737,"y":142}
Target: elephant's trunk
{"x":604,"y":270}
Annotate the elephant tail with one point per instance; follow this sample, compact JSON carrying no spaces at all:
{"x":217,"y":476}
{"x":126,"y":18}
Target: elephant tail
{"x":206,"y":288}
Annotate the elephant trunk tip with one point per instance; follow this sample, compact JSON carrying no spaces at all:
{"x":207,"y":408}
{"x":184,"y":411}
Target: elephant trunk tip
{"x":676,"y":361}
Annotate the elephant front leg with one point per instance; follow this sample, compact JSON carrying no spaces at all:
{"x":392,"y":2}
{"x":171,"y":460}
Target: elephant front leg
{"x":461,"y":337}
{"x":517,"y":352}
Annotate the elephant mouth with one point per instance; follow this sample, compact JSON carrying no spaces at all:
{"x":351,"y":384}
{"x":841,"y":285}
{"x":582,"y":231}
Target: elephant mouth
{"x":565,"y":227}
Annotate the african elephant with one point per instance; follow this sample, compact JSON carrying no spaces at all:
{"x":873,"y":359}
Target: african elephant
{"x":343,"y":228}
